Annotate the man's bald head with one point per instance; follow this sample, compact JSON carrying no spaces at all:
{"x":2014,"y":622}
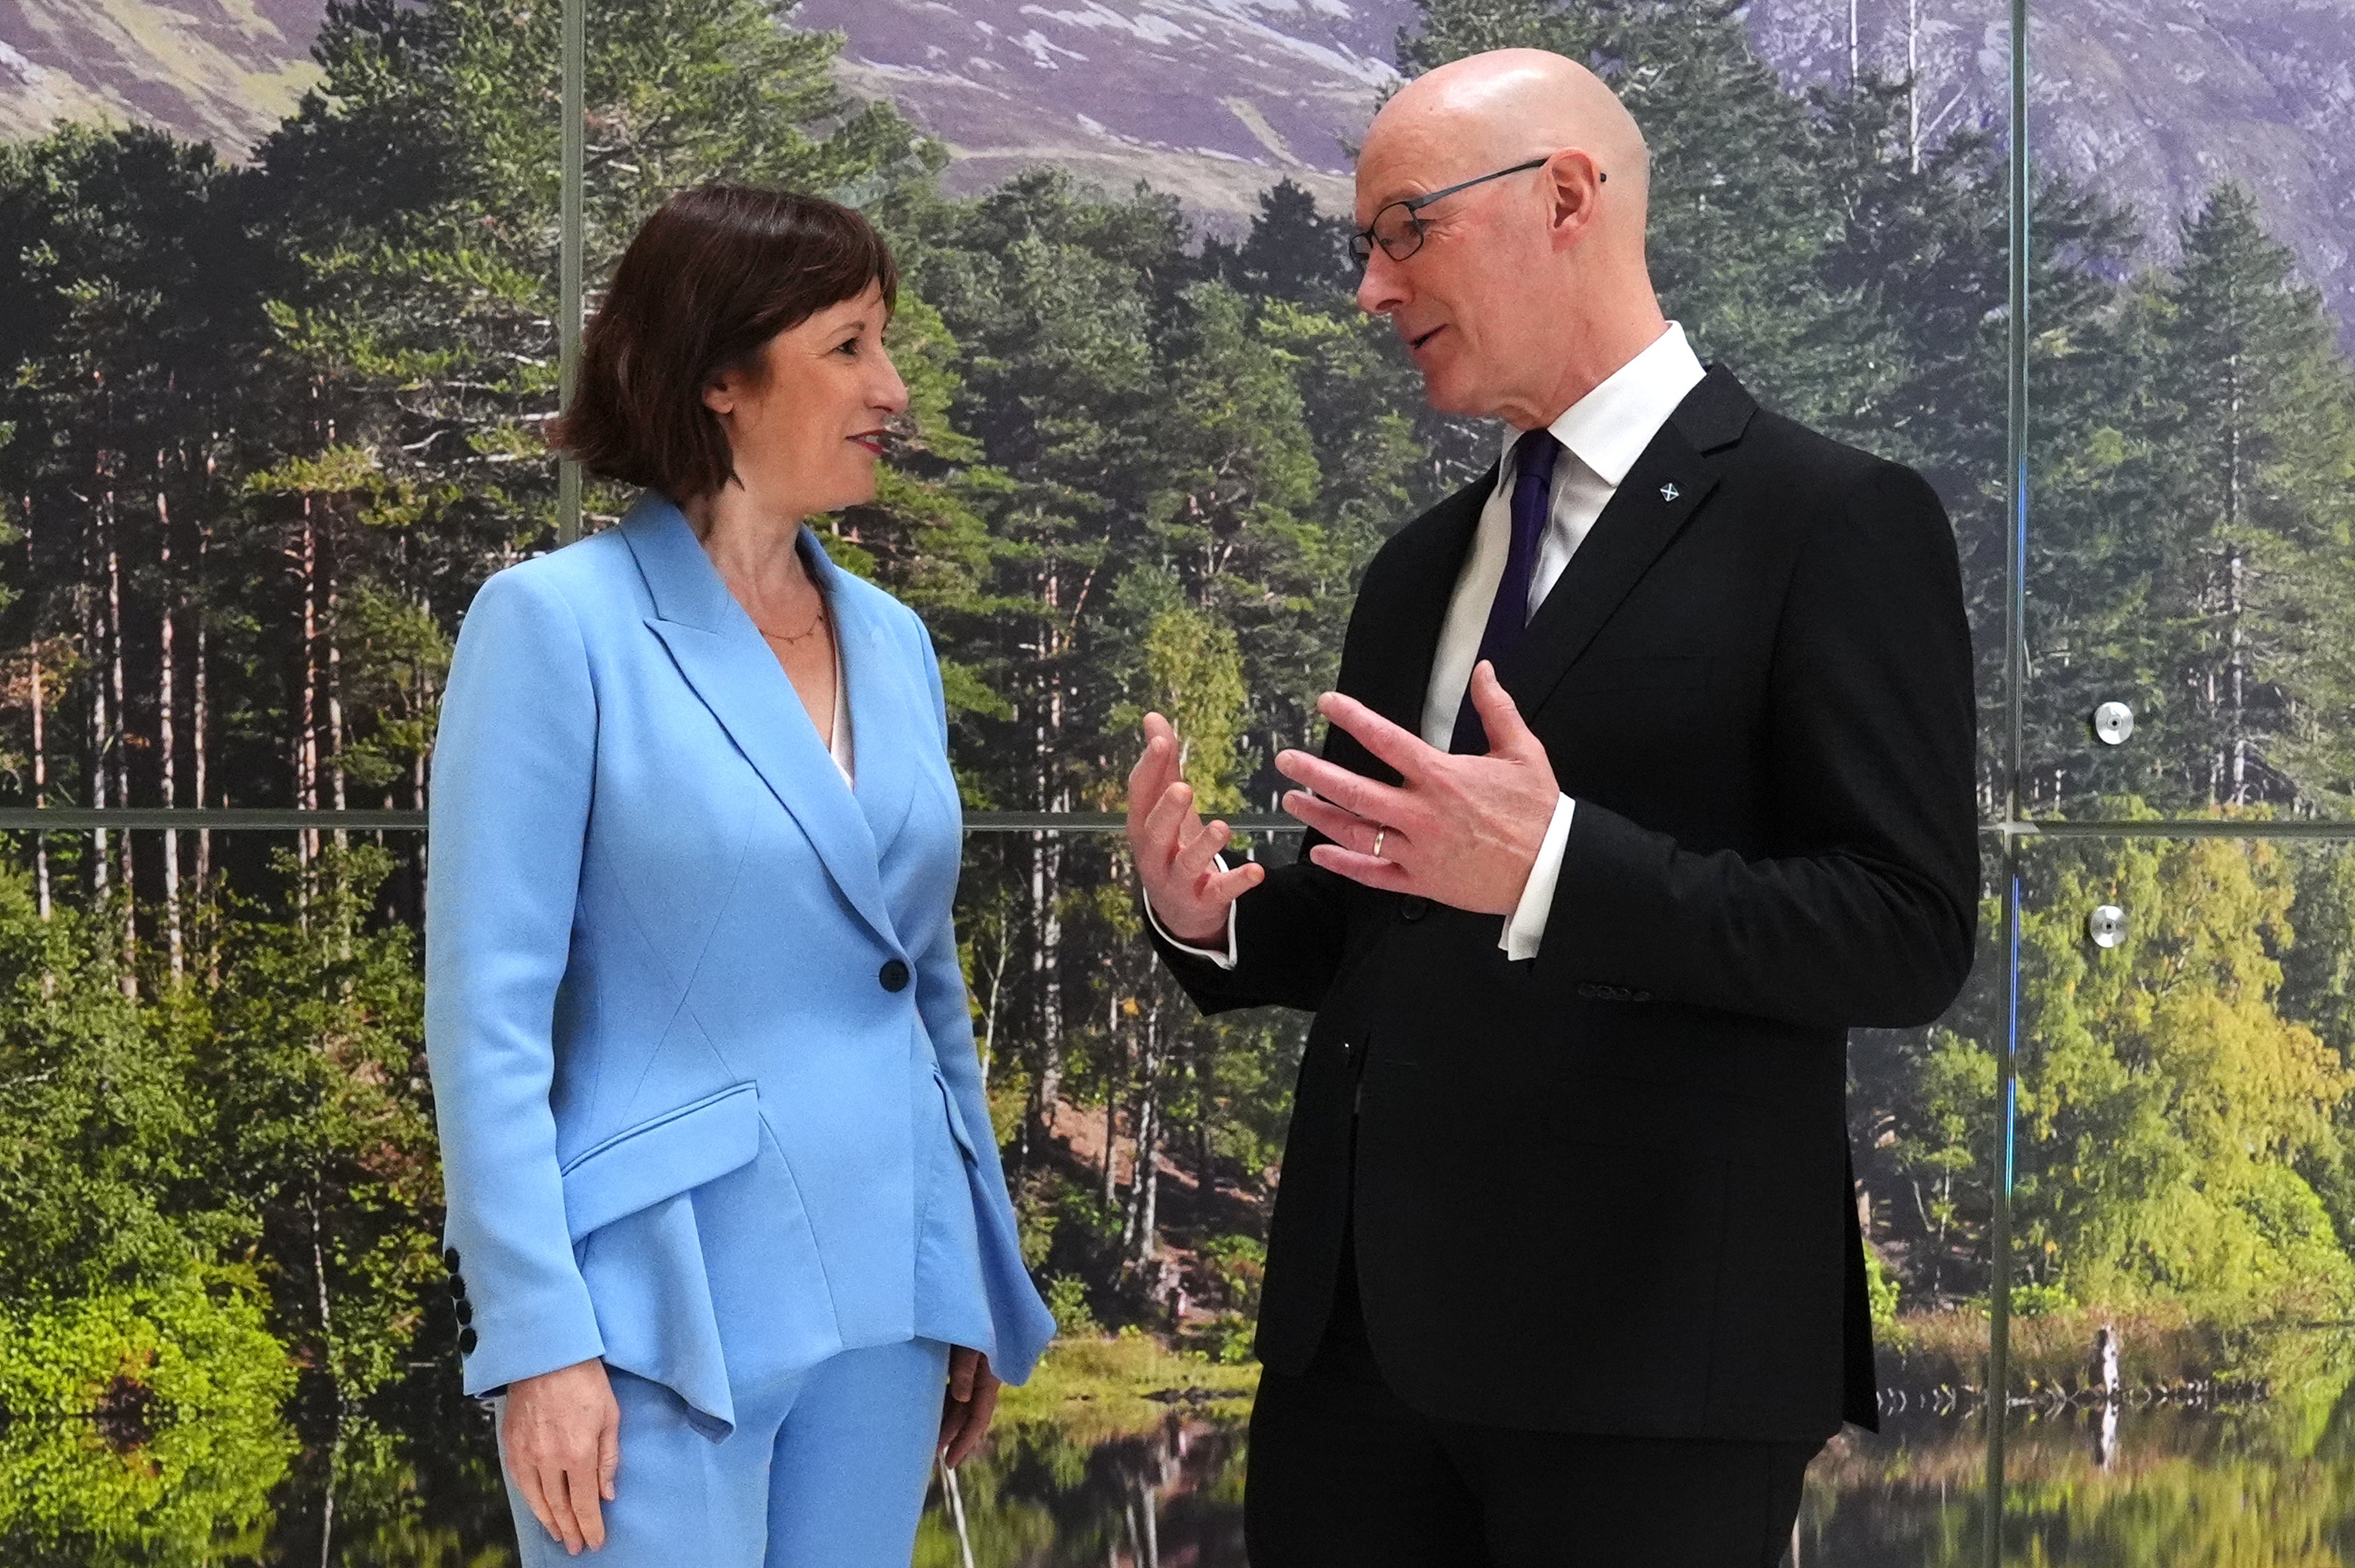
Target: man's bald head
{"x":1522,"y":293}
{"x":1506,"y":107}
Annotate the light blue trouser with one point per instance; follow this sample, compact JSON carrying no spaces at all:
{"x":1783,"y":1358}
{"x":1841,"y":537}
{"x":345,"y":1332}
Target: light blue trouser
{"x":825,"y":1470}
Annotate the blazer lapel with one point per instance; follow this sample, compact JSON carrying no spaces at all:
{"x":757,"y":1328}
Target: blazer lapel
{"x":1651,"y":507}
{"x":720,"y":654}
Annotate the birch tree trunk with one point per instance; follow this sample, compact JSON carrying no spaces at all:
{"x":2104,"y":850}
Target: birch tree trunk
{"x":166,"y":731}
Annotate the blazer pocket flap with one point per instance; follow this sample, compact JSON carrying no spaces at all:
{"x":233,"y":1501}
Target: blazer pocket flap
{"x":676,"y":1151}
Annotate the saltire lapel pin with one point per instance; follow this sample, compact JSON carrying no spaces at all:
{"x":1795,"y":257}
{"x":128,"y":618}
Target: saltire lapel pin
{"x":1669,"y":492}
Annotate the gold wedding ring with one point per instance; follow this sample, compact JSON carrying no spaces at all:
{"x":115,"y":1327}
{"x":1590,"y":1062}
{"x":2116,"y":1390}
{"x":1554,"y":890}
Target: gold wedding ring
{"x":1379,"y":832}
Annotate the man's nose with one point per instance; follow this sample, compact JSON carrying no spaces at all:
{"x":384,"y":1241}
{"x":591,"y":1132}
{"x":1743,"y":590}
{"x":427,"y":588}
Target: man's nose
{"x":1382,"y":287}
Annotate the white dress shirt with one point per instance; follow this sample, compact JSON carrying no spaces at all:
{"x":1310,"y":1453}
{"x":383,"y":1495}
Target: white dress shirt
{"x":1602,"y":435}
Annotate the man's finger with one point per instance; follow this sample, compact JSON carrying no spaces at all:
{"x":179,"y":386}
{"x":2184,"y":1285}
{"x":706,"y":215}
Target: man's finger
{"x":1165,"y":828}
{"x":1346,"y":829}
{"x":1194,"y":853}
{"x":1508,"y":736}
{"x":1157,"y":763}
{"x":1225,"y":886}
{"x":1401,"y":748}
{"x":1351,"y":791}
{"x":1386,"y":874}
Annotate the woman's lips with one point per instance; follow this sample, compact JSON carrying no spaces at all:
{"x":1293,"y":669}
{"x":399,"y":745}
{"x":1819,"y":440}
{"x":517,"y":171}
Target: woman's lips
{"x":873,"y":441}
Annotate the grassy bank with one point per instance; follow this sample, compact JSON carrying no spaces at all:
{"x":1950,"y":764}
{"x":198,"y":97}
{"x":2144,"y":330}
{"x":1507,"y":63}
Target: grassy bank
{"x":1109,"y":1385}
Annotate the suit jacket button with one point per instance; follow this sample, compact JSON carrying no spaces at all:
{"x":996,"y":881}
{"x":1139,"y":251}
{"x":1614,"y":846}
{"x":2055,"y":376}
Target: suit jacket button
{"x":894,"y":976}
{"x":1414,"y":908}
{"x":467,"y":1340}
{"x":466,"y":1311}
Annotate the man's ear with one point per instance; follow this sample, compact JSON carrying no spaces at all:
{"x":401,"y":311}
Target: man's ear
{"x":1577,"y":190}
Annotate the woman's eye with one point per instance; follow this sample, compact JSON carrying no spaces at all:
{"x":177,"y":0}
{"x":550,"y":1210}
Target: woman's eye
{"x":848,"y":345}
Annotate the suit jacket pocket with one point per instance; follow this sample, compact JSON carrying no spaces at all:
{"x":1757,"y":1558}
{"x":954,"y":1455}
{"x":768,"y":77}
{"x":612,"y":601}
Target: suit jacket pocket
{"x":676,"y":1151}
{"x":629,"y":1204}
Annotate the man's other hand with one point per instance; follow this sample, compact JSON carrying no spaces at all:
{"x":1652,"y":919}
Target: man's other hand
{"x":1175,"y":850}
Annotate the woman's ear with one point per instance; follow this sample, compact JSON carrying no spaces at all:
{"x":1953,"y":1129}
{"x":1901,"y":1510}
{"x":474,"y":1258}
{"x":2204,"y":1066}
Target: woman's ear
{"x":719,"y":394}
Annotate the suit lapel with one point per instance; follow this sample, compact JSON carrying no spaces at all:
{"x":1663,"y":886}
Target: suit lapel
{"x":1667,"y":484}
{"x":1397,"y":676}
{"x":720,"y":654}
{"x":888,"y":717}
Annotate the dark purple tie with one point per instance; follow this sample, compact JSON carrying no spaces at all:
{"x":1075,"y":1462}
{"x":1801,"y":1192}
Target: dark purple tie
{"x":1508,"y":613}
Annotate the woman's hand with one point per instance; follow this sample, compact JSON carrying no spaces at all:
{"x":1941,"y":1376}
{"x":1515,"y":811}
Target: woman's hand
{"x":972,"y":1399}
{"x":562,"y":1435}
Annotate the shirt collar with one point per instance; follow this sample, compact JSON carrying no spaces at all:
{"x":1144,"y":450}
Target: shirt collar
{"x":1609,"y":428}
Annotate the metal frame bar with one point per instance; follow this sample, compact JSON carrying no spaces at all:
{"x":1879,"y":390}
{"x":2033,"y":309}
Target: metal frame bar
{"x":2015,"y":829}
{"x":570,"y":224}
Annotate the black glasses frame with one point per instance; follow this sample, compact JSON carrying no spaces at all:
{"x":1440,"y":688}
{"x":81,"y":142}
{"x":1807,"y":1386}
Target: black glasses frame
{"x":1363,"y":241}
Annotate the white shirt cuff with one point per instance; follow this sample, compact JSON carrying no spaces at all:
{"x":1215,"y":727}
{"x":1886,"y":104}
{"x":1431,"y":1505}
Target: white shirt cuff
{"x":1527,"y":927}
{"x":1223,"y":960}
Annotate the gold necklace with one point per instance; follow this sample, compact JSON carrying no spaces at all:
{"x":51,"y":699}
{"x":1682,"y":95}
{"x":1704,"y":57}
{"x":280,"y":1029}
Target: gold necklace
{"x":817,"y":621}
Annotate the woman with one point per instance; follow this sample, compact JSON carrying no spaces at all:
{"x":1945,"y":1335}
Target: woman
{"x":726,"y":1223}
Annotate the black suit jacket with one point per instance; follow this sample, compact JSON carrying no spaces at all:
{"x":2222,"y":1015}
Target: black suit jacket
{"x":1607,"y":1190}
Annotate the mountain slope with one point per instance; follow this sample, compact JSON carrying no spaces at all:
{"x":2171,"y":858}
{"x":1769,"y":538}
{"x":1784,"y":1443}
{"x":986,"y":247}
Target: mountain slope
{"x":2153,"y":101}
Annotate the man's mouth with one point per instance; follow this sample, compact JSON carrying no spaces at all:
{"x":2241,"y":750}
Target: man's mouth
{"x":1414,"y":345}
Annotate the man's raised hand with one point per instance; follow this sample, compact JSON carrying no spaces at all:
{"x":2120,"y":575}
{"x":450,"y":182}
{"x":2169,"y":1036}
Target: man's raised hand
{"x":1461,"y":830}
{"x":1175,"y":849}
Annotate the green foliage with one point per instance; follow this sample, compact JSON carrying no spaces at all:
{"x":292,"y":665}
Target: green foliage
{"x":1881,"y":1291}
{"x":2166,"y":1105}
{"x":1066,"y":1298}
{"x":142,"y":1424}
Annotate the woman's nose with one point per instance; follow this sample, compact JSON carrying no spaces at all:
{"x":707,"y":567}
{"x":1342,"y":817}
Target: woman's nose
{"x":892,"y":397}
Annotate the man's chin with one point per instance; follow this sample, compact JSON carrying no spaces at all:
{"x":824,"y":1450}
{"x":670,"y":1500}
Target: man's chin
{"x":1448,"y":394}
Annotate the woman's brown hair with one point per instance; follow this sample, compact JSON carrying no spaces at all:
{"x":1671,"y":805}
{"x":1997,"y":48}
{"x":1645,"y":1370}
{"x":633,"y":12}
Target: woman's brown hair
{"x":710,"y":278}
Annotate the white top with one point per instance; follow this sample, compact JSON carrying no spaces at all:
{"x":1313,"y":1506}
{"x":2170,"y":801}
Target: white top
{"x":1602,"y":435}
{"x":837,"y":744}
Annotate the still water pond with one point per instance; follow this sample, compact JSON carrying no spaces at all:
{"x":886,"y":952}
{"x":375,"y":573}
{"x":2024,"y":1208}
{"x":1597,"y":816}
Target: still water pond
{"x":2252,"y":1487}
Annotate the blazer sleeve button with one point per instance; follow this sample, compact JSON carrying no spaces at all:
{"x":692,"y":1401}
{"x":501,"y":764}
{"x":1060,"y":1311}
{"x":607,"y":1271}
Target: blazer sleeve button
{"x":894,"y":976}
{"x":467,"y":1340}
{"x":466,"y":1311}
{"x":450,"y":1259}
{"x":457,"y":1287}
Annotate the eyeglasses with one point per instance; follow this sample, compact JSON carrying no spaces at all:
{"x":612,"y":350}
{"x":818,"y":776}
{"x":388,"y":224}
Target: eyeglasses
{"x":1399,"y":232}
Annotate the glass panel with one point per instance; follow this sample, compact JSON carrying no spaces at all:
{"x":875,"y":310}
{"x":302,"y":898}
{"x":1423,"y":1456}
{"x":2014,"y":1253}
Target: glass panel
{"x":2193,"y":409}
{"x":261,"y":430}
{"x":2183,"y":1195}
{"x":1922,"y":1121}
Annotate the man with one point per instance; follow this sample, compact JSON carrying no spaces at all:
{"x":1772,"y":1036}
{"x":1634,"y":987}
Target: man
{"x":1649,"y":775}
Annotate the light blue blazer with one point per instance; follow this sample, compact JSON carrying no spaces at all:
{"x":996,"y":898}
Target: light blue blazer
{"x":705,"y":1076}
